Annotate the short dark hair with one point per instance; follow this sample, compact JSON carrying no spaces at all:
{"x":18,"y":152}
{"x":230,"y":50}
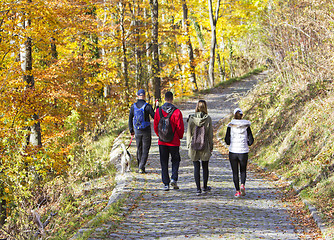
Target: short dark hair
{"x":168,"y":96}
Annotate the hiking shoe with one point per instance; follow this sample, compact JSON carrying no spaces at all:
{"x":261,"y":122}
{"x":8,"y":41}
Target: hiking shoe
{"x":242,"y":190}
{"x":207,"y":189}
{"x":141,"y":171}
{"x":237,"y":194}
{"x":166,"y":188}
{"x":198,"y":192}
{"x":174,"y":184}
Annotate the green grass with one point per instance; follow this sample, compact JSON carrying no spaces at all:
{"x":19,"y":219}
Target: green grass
{"x":86,"y":189}
{"x":112,"y":215}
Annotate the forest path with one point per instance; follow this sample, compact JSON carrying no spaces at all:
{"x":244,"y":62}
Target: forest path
{"x":151,"y":213}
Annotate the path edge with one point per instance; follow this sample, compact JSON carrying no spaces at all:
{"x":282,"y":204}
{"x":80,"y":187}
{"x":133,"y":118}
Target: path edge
{"x":122,"y":181}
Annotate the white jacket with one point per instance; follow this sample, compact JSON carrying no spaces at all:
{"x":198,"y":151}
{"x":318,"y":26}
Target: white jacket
{"x":239,"y":136}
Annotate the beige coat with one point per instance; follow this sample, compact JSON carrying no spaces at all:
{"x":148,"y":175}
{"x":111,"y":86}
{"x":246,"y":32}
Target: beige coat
{"x":200,"y":119}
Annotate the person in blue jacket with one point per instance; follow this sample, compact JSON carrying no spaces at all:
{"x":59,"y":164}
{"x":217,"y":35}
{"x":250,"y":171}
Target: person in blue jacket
{"x":139,"y":125}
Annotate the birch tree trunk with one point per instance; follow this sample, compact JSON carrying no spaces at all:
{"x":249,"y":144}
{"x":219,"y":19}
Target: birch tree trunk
{"x":35,"y":137}
{"x":155,"y":48}
{"x":189,"y":47}
{"x":213,"y":23}
{"x":124,"y":51}
{"x":106,"y":87}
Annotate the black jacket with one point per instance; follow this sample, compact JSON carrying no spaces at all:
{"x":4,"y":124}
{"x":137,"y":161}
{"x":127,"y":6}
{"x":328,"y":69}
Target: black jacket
{"x":148,"y":111}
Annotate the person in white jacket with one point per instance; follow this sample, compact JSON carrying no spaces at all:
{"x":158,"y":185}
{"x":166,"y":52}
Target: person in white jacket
{"x":239,"y":136}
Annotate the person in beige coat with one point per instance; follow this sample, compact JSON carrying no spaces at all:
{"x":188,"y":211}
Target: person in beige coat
{"x":200,"y":118}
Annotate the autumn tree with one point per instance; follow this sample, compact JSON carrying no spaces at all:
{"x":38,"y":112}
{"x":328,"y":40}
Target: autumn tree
{"x":67,"y":67}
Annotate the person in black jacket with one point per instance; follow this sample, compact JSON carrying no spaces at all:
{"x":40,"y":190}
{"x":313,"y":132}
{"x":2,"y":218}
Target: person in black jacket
{"x":239,"y":136}
{"x":139,"y":125}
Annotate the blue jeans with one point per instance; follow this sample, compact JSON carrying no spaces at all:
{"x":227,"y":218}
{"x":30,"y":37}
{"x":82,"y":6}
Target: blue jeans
{"x":174,"y":151}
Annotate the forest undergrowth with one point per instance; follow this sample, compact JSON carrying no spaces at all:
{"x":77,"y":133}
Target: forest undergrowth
{"x":64,"y":203}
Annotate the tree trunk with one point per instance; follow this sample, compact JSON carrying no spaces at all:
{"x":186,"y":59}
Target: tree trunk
{"x":2,"y":212}
{"x":189,"y":47}
{"x":213,"y":23}
{"x":155,"y":48}
{"x":54,"y":53}
{"x":124,"y":50}
{"x":220,"y":67}
{"x":148,"y":54}
{"x":107,"y":86}
{"x":200,"y":39}
{"x":35,"y":137}
{"x":137,"y":47}
{"x":231,"y":59}
{"x":176,"y":47}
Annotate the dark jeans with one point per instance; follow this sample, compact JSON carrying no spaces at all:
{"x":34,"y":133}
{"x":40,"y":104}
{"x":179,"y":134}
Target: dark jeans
{"x":236,"y":160}
{"x":197,"y":168}
{"x":143,"y":142}
{"x":164,"y":159}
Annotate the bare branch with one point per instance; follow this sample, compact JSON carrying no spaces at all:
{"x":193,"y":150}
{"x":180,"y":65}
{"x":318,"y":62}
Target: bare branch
{"x":297,"y":28}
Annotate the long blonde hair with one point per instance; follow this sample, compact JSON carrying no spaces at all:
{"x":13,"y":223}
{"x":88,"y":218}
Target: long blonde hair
{"x":201,"y":107}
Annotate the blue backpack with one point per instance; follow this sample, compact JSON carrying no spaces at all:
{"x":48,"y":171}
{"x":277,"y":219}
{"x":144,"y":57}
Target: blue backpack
{"x":139,"y":117}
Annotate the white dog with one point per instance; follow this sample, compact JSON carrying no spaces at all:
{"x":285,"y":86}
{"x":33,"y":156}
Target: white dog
{"x":119,"y":152}
{"x":125,"y":160}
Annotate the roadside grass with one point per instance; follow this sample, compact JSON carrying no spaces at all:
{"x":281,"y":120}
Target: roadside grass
{"x":293,"y":127}
{"x":84,"y":192}
{"x":112,"y":215}
{"x":108,"y":220}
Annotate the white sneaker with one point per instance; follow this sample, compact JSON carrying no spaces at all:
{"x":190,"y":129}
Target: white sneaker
{"x":166,"y":188}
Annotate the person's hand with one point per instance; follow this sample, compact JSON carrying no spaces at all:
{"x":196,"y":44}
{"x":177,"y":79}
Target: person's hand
{"x":133,"y":133}
{"x":157,"y":103}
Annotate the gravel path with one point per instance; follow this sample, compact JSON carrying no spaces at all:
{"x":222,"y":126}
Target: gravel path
{"x":180,"y":214}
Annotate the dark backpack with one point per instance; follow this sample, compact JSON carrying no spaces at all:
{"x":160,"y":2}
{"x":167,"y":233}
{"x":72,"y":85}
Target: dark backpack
{"x":198,"y":141}
{"x":139,"y":117}
{"x":165,"y":129}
